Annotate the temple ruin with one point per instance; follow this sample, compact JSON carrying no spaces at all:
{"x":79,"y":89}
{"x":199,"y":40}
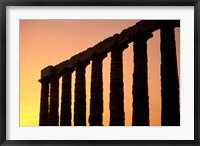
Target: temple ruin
{"x":116,"y":44}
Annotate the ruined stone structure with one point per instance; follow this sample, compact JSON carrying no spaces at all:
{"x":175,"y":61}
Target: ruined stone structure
{"x":139,"y":35}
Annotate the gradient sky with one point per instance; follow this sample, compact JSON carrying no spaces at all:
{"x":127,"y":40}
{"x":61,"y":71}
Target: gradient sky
{"x":49,"y":42}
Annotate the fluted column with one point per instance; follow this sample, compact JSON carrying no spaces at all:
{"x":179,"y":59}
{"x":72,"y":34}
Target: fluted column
{"x":65,"y":119}
{"x":117,"y":116}
{"x":80,"y":95}
{"x":140,"y":115}
{"x":54,"y":101}
{"x":96,"y":100}
{"x":170,"y":115}
{"x":44,"y":102}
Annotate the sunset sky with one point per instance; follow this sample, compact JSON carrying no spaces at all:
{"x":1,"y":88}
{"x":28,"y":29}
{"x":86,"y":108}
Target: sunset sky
{"x":49,"y":42}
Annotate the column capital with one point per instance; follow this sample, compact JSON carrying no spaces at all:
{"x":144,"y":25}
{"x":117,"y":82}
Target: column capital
{"x":42,"y":80}
{"x":99,"y":56}
{"x":54,"y":77}
{"x":119,"y":47}
{"x":168,"y":25}
{"x":68,"y":70}
{"x":82,"y":64}
{"x":142,"y":36}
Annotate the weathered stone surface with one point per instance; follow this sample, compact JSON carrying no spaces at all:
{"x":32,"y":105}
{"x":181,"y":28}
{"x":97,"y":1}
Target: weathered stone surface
{"x":90,"y":51}
{"x":48,"y":71}
{"x":132,"y":31}
{"x":65,"y":118}
{"x":54,"y":100}
{"x":117,"y":116}
{"x":170,"y":114}
{"x":74,"y":59}
{"x":96,"y":100}
{"x":62,"y":65}
{"x":169,"y":23}
{"x":80,"y":95}
{"x":148,"y":26}
{"x":124,"y":37}
{"x":109,"y":42}
{"x":99,"y":47}
{"x":84,"y":56}
{"x":140,"y":82}
{"x":43,"y":120}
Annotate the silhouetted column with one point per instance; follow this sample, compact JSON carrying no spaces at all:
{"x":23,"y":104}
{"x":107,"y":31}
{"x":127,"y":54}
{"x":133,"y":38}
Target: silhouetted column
{"x":44,"y":102}
{"x":54,"y":101}
{"x":117,"y":116}
{"x":80,"y":95}
{"x":65,"y":119}
{"x":169,"y":79}
{"x":140,"y":81}
{"x":96,"y":100}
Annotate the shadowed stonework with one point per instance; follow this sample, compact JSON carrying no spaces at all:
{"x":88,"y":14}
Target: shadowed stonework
{"x":65,"y":119}
{"x":140,"y":85}
{"x":139,"y":34}
{"x":96,"y":100}
{"x":169,"y":78}
{"x":44,"y":102}
{"x":117,"y":116}
{"x":80,"y":95}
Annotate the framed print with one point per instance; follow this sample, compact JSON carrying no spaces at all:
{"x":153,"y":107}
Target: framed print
{"x":103,"y":72}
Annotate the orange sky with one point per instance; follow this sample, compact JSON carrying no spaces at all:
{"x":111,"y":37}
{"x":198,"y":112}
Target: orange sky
{"x":49,"y":42}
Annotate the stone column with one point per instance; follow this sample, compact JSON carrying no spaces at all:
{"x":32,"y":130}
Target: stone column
{"x":117,"y":116}
{"x":44,"y":102}
{"x":96,"y":100}
{"x":65,"y":119}
{"x":80,"y":95}
{"x":140,"y":115}
{"x":170,"y":115}
{"x":54,"y":101}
